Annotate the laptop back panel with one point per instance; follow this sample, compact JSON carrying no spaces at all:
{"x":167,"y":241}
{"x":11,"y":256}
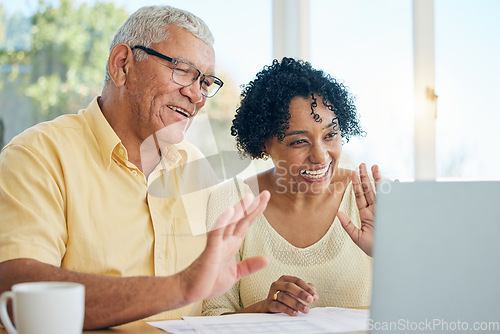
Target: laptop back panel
{"x":436,"y":257}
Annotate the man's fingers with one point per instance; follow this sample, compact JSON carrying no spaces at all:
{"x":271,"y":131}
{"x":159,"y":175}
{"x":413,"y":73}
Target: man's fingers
{"x":233,"y":222}
{"x":258,"y":208}
{"x":224,"y":219}
{"x":234,"y":213}
{"x":250,"y":265}
{"x":242,"y":208}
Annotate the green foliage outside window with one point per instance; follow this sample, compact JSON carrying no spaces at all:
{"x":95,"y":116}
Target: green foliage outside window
{"x":63,"y":54}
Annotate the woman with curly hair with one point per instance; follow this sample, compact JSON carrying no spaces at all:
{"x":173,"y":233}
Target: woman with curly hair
{"x":317,"y":229}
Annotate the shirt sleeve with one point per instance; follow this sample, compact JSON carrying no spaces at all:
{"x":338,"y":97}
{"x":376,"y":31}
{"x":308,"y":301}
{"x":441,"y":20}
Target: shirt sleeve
{"x":32,"y":221}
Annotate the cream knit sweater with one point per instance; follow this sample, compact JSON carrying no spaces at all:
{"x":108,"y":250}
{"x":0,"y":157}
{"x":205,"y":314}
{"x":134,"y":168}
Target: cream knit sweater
{"x":340,"y":271}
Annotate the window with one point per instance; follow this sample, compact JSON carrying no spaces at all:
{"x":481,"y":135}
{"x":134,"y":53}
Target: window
{"x":467,"y":83}
{"x":368,"y":46}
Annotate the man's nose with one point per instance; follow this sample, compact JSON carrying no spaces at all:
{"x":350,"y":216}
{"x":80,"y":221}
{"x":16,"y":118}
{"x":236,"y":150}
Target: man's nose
{"x":193,"y":91}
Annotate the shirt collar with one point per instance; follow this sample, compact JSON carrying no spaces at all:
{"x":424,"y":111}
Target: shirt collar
{"x":106,"y":138}
{"x":173,"y":156}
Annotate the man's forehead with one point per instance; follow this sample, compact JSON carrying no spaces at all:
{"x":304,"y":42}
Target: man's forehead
{"x":183,"y":45}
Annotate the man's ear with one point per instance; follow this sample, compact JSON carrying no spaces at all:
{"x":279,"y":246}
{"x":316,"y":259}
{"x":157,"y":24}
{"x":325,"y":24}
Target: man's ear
{"x":119,"y":62}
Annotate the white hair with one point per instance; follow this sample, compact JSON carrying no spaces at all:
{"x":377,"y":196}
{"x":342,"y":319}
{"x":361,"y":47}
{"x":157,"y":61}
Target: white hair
{"x":148,"y":26}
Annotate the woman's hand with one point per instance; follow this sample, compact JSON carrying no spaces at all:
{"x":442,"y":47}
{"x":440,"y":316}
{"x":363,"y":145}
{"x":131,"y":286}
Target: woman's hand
{"x":290,"y":295}
{"x":365,"y":200}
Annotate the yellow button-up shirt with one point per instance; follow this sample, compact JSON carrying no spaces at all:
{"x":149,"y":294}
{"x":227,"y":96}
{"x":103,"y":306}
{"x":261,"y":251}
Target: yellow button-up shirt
{"x":69,"y":197}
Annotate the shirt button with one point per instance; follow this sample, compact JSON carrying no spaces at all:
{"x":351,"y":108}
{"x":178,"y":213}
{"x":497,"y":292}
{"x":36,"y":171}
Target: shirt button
{"x":134,"y":172}
{"x":122,"y":151}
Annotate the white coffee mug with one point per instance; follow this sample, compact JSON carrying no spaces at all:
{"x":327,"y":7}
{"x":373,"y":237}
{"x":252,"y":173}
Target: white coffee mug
{"x":44,"y":308}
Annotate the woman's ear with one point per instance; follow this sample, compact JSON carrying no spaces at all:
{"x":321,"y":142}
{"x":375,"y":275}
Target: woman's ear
{"x":118,"y":63}
{"x":264,"y":155}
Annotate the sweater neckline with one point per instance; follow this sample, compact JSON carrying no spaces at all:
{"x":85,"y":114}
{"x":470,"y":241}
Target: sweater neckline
{"x":324,"y":239}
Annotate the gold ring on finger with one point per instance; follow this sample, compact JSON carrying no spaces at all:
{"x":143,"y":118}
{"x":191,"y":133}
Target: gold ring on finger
{"x":275,"y":297}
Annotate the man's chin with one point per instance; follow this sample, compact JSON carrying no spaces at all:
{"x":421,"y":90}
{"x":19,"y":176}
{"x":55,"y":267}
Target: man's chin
{"x":172,"y":138}
{"x":172,"y":134}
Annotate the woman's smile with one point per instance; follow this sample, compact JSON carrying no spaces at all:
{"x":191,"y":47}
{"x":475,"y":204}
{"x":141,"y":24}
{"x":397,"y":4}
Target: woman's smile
{"x":318,"y":174}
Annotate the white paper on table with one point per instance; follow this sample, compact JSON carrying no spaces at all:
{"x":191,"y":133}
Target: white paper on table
{"x":339,"y":319}
{"x":318,"y":320}
{"x":174,"y":326}
{"x":254,"y":323}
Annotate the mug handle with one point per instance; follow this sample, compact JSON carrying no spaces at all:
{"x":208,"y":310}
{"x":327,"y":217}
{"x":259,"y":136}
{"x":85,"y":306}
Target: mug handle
{"x":3,"y":312}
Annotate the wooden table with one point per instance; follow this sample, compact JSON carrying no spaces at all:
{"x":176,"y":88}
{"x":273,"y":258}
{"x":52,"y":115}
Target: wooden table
{"x":136,"y":327}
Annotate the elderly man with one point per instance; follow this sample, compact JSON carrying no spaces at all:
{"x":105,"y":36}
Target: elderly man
{"x":75,"y":204}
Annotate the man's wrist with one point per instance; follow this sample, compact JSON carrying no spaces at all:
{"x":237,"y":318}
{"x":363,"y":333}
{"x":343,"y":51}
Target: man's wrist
{"x":183,"y":283}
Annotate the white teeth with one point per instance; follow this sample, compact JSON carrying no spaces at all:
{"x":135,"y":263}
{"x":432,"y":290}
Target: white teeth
{"x":315,"y":174}
{"x":180,"y":110}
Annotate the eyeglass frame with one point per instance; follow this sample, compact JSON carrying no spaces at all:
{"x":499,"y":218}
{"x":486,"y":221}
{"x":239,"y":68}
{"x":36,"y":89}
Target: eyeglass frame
{"x":174,"y":61}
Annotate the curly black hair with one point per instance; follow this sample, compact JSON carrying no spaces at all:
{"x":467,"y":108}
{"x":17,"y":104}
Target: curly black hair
{"x":264,"y":108}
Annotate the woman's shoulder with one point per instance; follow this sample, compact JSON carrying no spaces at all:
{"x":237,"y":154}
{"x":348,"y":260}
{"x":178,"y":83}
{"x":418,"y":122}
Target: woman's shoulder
{"x":230,"y":190}
{"x":225,"y":187}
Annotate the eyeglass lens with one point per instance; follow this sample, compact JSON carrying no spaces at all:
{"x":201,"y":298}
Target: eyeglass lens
{"x":185,"y":74}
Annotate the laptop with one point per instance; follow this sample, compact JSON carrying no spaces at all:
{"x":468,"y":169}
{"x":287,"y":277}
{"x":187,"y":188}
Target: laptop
{"x":436,"y":258}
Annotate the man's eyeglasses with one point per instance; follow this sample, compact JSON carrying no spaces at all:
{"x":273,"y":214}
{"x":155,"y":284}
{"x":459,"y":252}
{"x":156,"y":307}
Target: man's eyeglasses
{"x":185,"y":74}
